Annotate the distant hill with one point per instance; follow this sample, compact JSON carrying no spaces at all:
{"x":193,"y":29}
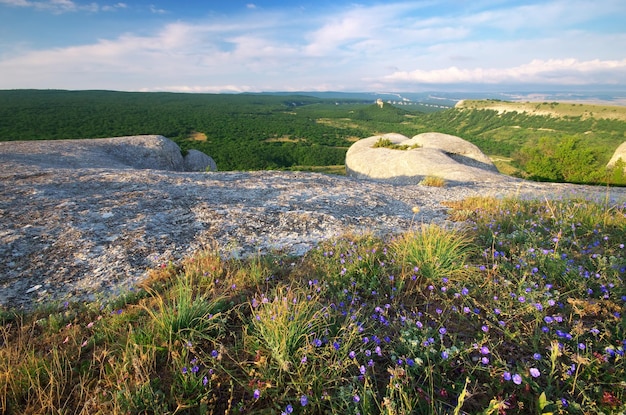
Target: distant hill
{"x":552,"y":109}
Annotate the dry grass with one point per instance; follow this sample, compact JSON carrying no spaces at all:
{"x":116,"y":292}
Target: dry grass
{"x":553,"y":109}
{"x":285,"y":139}
{"x":197,"y":136}
{"x":433,"y":181}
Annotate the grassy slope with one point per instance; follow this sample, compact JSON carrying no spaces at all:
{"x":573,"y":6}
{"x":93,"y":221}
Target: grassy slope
{"x":552,"y":109}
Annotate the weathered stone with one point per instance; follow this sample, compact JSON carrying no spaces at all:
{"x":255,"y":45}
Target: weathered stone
{"x":440,"y":155}
{"x":137,"y":152}
{"x":620,"y":153}
{"x":196,"y":160}
{"x":459,"y":149}
{"x":77,"y":233}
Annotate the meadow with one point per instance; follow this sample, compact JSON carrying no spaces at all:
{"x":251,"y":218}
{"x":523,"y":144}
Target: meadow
{"x":518,"y":311}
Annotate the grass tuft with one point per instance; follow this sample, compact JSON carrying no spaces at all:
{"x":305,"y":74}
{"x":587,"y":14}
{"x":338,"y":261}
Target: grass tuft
{"x":433,"y":181}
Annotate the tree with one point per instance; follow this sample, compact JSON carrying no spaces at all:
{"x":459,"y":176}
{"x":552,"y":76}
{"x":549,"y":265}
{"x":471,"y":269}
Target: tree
{"x":575,"y":163}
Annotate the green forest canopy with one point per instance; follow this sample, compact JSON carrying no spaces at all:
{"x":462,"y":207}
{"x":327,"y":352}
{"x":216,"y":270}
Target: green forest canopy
{"x":257,"y":131}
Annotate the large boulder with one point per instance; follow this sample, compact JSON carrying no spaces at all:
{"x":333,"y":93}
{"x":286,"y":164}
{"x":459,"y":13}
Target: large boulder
{"x":133,"y":152}
{"x":196,"y":160}
{"x":440,"y":155}
{"x":620,"y":153}
{"x":144,"y":152}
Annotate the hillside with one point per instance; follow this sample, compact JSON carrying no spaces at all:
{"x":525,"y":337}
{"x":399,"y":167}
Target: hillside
{"x":551,"y":109}
{"x":524,"y":139}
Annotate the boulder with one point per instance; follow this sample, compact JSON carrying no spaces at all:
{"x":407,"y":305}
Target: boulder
{"x":440,"y":155}
{"x":198,"y":161}
{"x":144,"y":152}
{"x":459,"y":149}
{"x":135,"y":152}
{"x":620,"y":153}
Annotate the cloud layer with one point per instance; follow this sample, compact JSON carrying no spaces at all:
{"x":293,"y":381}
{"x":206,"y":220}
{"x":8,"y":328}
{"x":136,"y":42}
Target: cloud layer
{"x":401,"y":46}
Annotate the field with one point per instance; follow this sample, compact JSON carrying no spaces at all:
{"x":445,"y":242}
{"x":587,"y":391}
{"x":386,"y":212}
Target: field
{"x":522,"y":312}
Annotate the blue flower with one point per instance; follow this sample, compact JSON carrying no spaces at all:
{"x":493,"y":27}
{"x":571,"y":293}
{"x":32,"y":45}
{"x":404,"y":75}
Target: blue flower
{"x":517,"y":379}
{"x":304,"y":400}
{"x":534,"y":372}
{"x":256,"y":394}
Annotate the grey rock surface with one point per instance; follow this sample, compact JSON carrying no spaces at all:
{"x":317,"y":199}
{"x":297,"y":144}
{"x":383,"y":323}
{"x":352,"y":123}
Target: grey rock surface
{"x":620,"y":153}
{"x":70,"y":232}
{"x":440,"y":155}
{"x":134,"y":152}
{"x":196,"y":160}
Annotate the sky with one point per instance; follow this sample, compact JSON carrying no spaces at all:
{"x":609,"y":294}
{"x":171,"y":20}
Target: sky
{"x":319,"y":45}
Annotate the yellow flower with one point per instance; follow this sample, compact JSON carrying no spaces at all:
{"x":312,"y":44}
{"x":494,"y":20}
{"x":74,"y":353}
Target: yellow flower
{"x":416,"y":209}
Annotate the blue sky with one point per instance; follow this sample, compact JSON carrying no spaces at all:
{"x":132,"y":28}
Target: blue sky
{"x":317,"y":45}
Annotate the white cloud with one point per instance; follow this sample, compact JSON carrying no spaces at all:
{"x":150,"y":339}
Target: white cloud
{"x":63,"y":6}
{"x":114,"y":7}
{"x":374,"y":26}
{"x":553,"y":71}
{"x":16,"y":3}
{"x":156,"y":10}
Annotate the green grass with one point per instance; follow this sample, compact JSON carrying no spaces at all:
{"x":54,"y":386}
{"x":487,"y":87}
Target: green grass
{"x":520,"y":312}
{"x":387,"y":143}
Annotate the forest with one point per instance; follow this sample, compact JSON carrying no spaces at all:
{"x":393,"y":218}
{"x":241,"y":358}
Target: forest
{"x":266,"y":131}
